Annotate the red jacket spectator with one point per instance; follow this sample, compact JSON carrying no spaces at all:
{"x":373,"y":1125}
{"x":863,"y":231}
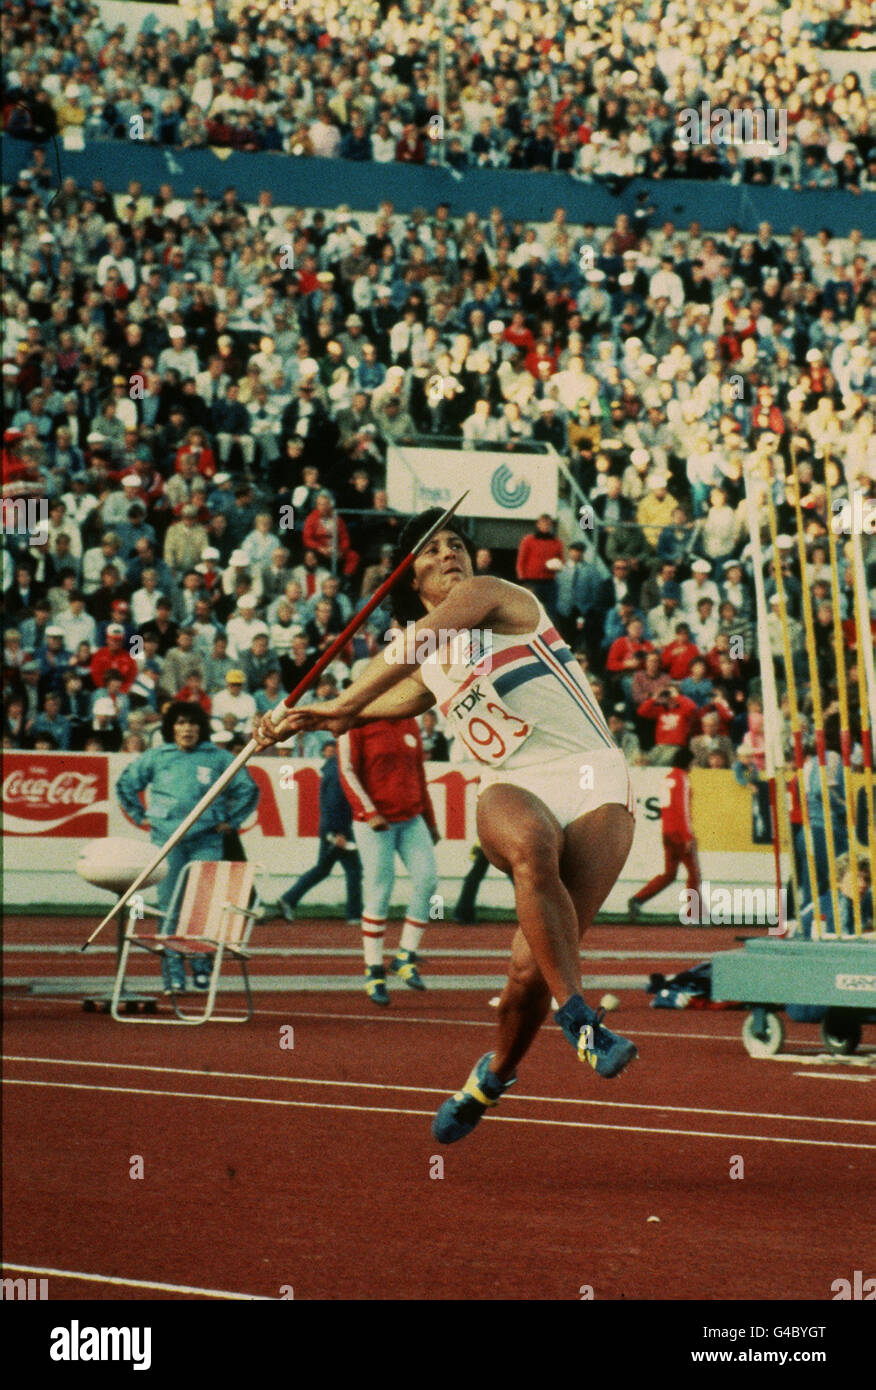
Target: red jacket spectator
{"x":533,"y":554}
{"x":317,"y":533}
{"x":677,"y":658}
{"x":197,"y":448}
{"x":381,"y":770}
{"x":411,"y":148}
{"x":623,"y":649}
{"x":675,"y":715}
{"x":113,"y":657}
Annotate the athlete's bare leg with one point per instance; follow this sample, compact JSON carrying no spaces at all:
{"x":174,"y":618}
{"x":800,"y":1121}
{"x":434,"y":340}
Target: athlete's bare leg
{"x":594,"y":850}
{"x":523,"y":838}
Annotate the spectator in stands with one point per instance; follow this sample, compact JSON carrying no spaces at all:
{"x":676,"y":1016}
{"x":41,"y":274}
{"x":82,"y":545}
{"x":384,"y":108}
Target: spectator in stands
{"x":539,"y":559}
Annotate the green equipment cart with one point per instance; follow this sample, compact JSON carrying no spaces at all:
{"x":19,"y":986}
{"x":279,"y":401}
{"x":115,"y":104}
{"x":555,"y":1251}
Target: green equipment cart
{"x":769,"y":973}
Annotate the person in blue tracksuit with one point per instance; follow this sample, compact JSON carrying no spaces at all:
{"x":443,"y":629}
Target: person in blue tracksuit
{"x":177,"y":774}
{"x":336,"y":843}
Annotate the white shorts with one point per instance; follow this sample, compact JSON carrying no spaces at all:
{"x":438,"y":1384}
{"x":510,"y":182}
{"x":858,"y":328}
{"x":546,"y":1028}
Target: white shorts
{"x":572,"y":785}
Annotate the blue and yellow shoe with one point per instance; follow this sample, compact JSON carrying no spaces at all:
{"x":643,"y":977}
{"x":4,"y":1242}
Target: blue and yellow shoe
{"x":607,"y":1053}
{"x":461,"y":1112}
{"x":405,"y":966}
{"x":375,"y":984}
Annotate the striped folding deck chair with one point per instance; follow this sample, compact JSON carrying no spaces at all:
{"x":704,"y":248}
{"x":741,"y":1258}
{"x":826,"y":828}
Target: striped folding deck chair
{"x":214,"y":915}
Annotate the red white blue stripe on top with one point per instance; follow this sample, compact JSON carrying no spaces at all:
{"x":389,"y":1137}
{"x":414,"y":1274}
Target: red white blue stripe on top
{"x":544,"y":658}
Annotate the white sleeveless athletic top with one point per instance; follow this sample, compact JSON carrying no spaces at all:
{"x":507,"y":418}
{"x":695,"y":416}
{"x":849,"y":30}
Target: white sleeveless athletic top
{"x":524,"y":703}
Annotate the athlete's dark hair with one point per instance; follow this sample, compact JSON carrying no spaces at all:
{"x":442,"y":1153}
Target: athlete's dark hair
{"x":407,"y":606}
{"x":682,"y":757}
{"x":184,"y":709}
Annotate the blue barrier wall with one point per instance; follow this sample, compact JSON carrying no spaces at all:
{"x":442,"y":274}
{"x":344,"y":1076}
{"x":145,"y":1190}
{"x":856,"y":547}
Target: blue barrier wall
{"x":325,"y":183}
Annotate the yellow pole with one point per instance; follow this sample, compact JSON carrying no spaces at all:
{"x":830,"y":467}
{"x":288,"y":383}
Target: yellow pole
{"x":839,"y":650}
{"x":794,"y":710}
{"x":815,"y":693}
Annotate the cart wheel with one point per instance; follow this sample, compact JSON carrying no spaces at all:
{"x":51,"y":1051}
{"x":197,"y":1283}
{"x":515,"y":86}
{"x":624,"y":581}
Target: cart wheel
{"x":88,"y":1006}
{"x":770,"y":1043}
{"x":840,"y":1032}
{"x":151,"y":1006}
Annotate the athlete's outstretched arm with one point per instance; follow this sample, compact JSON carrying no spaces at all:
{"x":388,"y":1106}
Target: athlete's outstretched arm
{"x":472,"y":603}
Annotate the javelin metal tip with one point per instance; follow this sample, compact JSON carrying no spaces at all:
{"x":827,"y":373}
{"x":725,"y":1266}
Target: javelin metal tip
{"x":440,"y":523}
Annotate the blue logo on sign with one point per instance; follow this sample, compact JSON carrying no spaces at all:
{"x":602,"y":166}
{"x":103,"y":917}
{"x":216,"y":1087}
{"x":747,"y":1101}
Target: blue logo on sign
{"x":504,"y":493}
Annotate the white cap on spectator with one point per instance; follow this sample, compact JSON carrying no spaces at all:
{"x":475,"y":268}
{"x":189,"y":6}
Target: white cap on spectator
{"x":223,"y":736}
{"x":639,"y":456}
{"x":246,"y":601}
{"x":209,"y":553}
{"x":595,"y":277}
{"x":71,"y":89}
{"x":547,"y":404}
{"x":54,"y":632}
{"x":701,"y":567}
{"x":95,"y":437}
{"x":115,"y":630}
{"x":307,"y":368}
{"x":495,"y":326}
{"x":785,"y":542}
{"x":219,"y":478}
{"x":176,"y":330}
{"x":104,"y":706}
{"x":167,"y":305}
{"x":814,"y":355}
{"x":239,"y":558}
{"x":627,"y":278}
{"x":130,"y":480}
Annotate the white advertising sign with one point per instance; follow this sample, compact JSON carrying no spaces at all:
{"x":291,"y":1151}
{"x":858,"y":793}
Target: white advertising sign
{"x":513,"y":487}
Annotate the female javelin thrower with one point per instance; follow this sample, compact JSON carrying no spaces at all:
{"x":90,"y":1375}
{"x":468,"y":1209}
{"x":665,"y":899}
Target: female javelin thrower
{"x":555,"y":806}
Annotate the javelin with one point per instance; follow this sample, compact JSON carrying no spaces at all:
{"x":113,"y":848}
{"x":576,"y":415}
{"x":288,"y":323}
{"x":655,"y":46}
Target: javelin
{"x":276,"y":714}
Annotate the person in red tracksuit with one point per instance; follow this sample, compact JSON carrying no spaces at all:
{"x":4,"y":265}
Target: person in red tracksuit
{"x":539,"y":557}
{"x":679,"y":843}
{"x":381,"y":770}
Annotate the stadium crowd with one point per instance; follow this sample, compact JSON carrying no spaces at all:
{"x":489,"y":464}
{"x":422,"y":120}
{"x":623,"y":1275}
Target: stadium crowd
{"x":199,"y":390}
{"x":589,"y":88}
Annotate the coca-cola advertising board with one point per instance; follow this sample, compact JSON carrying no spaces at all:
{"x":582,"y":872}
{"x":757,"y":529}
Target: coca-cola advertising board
{"x":50,"y":794}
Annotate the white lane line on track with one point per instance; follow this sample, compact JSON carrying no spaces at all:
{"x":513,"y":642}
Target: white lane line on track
{"x":383,"y":1017}
{"x":440,"y":1090}
{"x":434,"y":953}
{"x":835,"y":1076}
{"x":135,"y":1283}
{"x":397,"y":1110}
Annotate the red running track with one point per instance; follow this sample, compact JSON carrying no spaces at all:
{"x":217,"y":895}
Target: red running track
{"x":314,"y":1168}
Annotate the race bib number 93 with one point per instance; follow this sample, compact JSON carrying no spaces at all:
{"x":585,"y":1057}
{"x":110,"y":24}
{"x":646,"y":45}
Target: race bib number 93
{"x":488,"y":728}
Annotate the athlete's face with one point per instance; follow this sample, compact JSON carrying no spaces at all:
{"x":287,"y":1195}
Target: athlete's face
{"x":443,"y":564}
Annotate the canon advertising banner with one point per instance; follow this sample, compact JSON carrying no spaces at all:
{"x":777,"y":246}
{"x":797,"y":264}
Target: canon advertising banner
{"x":66,"y":799}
